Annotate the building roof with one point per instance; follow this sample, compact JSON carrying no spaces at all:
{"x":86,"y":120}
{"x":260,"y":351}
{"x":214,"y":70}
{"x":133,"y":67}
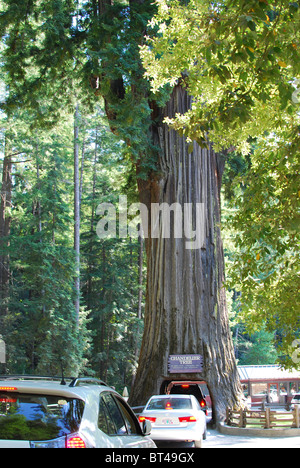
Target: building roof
{"x":273,"y":372}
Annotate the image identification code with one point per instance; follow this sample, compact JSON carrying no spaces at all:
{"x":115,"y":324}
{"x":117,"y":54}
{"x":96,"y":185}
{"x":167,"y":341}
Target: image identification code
{"x":171,"y":457}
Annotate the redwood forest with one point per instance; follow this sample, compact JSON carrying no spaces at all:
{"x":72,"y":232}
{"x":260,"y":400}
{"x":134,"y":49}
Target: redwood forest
{"x":166,"y":104}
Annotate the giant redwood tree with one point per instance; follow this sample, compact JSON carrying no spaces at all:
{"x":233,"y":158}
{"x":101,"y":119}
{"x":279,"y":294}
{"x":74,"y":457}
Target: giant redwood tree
{"x":56,"y":46}
{"x":186,"y":309}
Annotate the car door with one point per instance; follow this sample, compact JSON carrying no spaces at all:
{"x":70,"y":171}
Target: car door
{"x":135,"y":437}
{"x":118,"y":423}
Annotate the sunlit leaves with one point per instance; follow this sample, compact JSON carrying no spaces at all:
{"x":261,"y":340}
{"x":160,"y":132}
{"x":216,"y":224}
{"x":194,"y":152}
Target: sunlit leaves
{"x":267,"y":236}
{"x":233,"y":56}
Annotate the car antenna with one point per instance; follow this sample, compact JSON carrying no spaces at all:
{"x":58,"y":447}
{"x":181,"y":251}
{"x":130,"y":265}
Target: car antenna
{"x":63,"y":382}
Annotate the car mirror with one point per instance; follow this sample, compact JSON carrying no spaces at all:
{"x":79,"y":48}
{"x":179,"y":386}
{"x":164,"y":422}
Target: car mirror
{"x":146,"y":427}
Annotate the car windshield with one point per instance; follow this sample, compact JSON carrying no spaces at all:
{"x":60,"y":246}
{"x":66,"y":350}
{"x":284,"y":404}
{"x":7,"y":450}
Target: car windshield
{"x":38,"y":417}
{"x":296,"y":397}
{"x":169,"y":404}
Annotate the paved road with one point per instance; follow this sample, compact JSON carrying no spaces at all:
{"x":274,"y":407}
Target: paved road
{"x":217,"y":440}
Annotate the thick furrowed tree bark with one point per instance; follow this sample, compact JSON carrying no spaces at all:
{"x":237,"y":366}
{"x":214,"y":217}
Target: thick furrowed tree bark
{"x":186,"y":309}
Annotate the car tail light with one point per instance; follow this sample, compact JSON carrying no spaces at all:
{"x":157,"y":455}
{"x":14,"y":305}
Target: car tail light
{"x":143,"y":418}
{"x":70,"y":441}
{"x":185,"y":386}
{"x":75,"y":441}
{"x":202,"y":404}
{"x":8,"y":389}
{"x":187,"y":419}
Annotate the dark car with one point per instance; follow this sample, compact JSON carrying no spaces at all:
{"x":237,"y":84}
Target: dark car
{"x":188,"y":388}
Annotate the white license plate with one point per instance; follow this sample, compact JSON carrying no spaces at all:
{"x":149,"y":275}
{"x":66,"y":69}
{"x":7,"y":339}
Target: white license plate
{"x":168,"y":422}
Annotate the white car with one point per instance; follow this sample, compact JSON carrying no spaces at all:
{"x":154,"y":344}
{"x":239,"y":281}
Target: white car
{"x":82,"y":413}
{"x":176,"y":418}
{"x":295,"y":400}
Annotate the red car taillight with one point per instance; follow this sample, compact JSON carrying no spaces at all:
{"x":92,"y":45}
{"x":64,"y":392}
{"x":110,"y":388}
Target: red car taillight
{"x":75,"y":442}
{"x":143,"y":418}
{"x":187,"y":419}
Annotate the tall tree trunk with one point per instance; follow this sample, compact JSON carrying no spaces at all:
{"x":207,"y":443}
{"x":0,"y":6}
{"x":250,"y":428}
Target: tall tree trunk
{"x":136,"y":338}
{"x":141,"y":276}
{"x":5,"y":224}
{"x":186,"y":309}
{"x":90,"y":265}
{"x":77,"y":212}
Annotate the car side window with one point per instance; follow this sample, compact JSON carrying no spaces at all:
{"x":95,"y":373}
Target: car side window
{"x":132,"y":424}
{"x":198,"y":407}
{"x":110,"y":419}
{"x":105,"y":422}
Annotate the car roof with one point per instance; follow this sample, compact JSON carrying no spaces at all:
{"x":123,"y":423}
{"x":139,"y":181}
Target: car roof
{"x":49,"y":387}
{"x":173,"y":395}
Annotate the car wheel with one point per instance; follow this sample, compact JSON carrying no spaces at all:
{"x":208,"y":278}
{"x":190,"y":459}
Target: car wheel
{"x":199,"y":443}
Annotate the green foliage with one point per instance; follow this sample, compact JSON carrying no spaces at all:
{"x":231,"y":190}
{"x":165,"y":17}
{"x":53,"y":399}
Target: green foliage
{"x":55,"y":54}
{"x":110,"y":273}
{"x":261,"y":352}
{"x":40,"y":323}
{"x":267,"y":238}
{"x":68,"y":51}
{"x":40,"y":326}
{"x":238,"y":60}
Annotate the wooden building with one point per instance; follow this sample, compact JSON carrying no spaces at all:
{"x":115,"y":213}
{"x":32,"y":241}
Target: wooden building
{"x":270,"y":384}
